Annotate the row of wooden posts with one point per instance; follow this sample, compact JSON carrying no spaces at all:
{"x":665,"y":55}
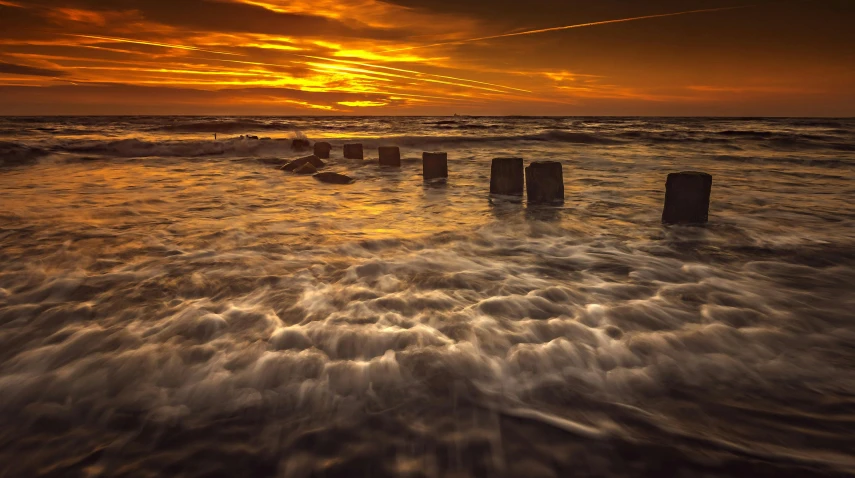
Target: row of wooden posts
{"x":687,"y":194}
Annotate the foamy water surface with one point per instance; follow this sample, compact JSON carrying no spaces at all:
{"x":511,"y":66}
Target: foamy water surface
{"x":171,"y":306}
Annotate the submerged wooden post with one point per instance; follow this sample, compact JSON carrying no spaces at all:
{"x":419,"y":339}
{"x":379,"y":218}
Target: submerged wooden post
{"x":506,"y":176}
{"x":390,"y":156}
{"x":353,"y":151}
{"x":322,"y":150}
{"x":687,"y":198}
{"x":434,"y":166}
{"x":299,"y":144}
{"x":544,"y":182}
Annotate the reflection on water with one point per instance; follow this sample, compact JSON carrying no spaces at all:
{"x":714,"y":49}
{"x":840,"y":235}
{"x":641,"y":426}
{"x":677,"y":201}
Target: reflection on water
{"x":212,"y":315}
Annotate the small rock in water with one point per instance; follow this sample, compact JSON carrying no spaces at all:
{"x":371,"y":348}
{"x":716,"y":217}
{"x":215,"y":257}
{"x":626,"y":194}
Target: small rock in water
{"x":315,"y":161}
{"x":274,"y":161}
{"x":306,"y":168}
{"x":353,"y":151}
{"x":322,"y":150}
{"x":333,"y":178}
{"x":251,"y":137}
{"x":297,"y":163}
{"x":301,"y":144}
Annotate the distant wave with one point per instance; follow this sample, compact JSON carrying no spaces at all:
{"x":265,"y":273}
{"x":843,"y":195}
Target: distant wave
{"x":447,"y":134}
{"x":554,"y":136}
{"x":809,"y":161}
{"x":135,"y":148}
{"x":747,"y":133}
{"x":236,"y":126}
{"x":12,"y":154}
{"x":572,"y":137}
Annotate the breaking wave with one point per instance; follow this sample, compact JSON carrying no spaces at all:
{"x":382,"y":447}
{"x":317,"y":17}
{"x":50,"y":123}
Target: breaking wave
{"x":15,"y":154}
{"x":135,"y":148}
{"x":214,"y":126}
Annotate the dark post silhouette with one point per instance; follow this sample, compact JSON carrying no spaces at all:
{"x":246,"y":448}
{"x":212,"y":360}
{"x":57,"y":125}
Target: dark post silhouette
{"x":687,"y":198}
{"x":300,"y":144}
{"x":322,"y":150}
{"x":506,"y":176}
{"x":390,"y":156}
{"x":434,"y":166}
{"x":353,"y":151}
{"x":544,"y":182}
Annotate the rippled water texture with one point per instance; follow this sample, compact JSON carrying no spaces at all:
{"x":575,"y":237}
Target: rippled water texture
{"x":170,"y":306}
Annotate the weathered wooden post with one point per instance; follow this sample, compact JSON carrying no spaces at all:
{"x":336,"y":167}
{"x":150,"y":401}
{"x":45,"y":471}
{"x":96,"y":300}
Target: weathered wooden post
{"x":506,"y":176}
{"x":434,"y":166}
{"x":353,"y":151}
{"x":300,"y":144}
{"x":322,"y":150}
{"x":390,"y":156}
{"x":687,"y":198}
{"x":544,"y":182}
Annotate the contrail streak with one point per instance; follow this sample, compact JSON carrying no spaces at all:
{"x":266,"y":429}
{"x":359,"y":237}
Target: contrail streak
{"x":569,"y":27}
{"x":371,"y":65}
{"x":162,"y":45}
{"x":368,"y":65}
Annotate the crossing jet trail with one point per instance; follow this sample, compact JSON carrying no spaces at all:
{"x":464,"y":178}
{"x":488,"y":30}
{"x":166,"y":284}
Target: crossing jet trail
{"x":568,"y":27}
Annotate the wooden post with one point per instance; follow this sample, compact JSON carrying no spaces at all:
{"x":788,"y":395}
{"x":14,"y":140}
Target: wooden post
{"x":353,"y":151}
{"x":687,"y":198}
{"x":506,"y":177}
{"x":322,"y":150}
{"x":298,"y":144}
{"x":390,"y":156}
{"x":434,"y":166}
{"x":544,"y":182}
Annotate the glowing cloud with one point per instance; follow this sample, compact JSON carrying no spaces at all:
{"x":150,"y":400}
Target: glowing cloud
{"x":362,"y":104}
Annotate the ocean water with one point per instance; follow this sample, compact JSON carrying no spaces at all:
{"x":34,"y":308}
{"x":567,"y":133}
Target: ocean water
{"x":172,"y":306}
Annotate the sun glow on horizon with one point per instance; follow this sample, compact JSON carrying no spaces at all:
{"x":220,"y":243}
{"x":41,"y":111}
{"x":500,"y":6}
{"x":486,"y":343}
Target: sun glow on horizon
{"x":318,"y":48}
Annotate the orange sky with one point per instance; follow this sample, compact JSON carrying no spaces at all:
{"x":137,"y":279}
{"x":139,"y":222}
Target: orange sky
{"x":699,"y":57}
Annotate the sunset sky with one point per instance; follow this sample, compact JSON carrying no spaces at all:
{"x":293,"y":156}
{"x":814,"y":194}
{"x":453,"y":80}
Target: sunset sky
{"x":284,"y":57}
